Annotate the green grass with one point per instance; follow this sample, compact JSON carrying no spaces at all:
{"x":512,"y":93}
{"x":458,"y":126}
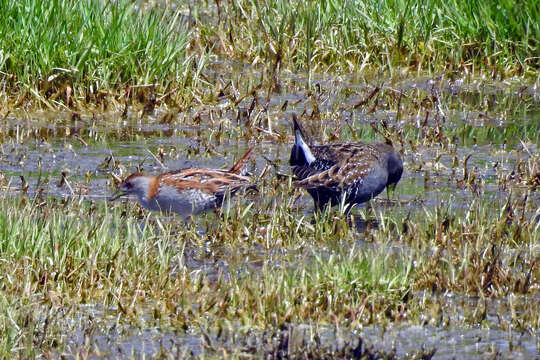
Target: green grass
{"x":62,"y":253}
{"x":95,"y":49}
{"x":384,"y":35}
{"x":90,"y":46}
{"x":271,"y":264}
{"x":281,"y":267}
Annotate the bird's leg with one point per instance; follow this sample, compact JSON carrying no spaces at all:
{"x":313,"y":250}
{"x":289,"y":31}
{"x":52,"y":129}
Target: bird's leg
{"x":390,"y":190}
{"x":319,"y":206}
{"x":189,"y":219}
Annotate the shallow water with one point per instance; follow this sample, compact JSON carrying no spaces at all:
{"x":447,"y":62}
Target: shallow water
{"x":89,"y":167}
{"x":104,"y":332}
{"x":60,"y":155}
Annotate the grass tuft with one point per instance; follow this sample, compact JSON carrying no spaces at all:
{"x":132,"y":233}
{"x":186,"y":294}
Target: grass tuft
{"x":90,"y":44}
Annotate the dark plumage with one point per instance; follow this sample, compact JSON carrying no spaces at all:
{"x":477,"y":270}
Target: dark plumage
{"x":357,"y":171}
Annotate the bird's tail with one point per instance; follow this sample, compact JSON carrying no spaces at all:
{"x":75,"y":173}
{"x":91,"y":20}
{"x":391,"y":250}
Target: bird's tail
{"x":301,"y":153}
{"x":237,"y":168}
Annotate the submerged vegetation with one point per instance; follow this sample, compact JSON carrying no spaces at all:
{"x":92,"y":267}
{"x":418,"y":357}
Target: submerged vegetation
{"x":152,"y":87}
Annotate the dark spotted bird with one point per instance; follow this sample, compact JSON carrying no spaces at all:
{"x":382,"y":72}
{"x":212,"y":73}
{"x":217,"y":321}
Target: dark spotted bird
{"x":356,"y":171}
{"x":186,"y":191}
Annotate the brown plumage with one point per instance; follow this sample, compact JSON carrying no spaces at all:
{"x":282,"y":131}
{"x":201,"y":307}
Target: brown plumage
{"x":186,"y":191}
{"x":356,"y":171}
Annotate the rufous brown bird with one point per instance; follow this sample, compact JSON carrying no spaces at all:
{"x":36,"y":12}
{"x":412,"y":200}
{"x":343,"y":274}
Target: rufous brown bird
{"x":187,"y":191}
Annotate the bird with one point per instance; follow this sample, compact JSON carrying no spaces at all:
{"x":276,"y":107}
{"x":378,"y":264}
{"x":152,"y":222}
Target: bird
{"x":357,"y":172}
{"x":188,"y":191}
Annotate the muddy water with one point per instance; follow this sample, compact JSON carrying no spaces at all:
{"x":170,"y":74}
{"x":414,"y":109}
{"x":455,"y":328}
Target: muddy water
{"x":102,"y":331}
{"x":76,"y":157}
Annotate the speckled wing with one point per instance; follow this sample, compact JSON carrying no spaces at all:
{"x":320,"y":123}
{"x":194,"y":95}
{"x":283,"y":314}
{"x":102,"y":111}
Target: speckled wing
{"x":215,"y":182}
{"x":342,"y":175}
{"x":335,"y":153}
{"x":318,"y":166}
{"x":326,"y":157}
{"x":338,"y":166}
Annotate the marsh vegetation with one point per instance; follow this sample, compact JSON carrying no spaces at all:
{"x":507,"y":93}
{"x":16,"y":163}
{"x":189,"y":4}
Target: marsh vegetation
{"x":111,"y":88}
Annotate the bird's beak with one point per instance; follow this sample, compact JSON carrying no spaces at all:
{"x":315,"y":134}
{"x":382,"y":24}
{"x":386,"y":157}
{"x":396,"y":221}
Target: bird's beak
{"x":116,"y":195}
